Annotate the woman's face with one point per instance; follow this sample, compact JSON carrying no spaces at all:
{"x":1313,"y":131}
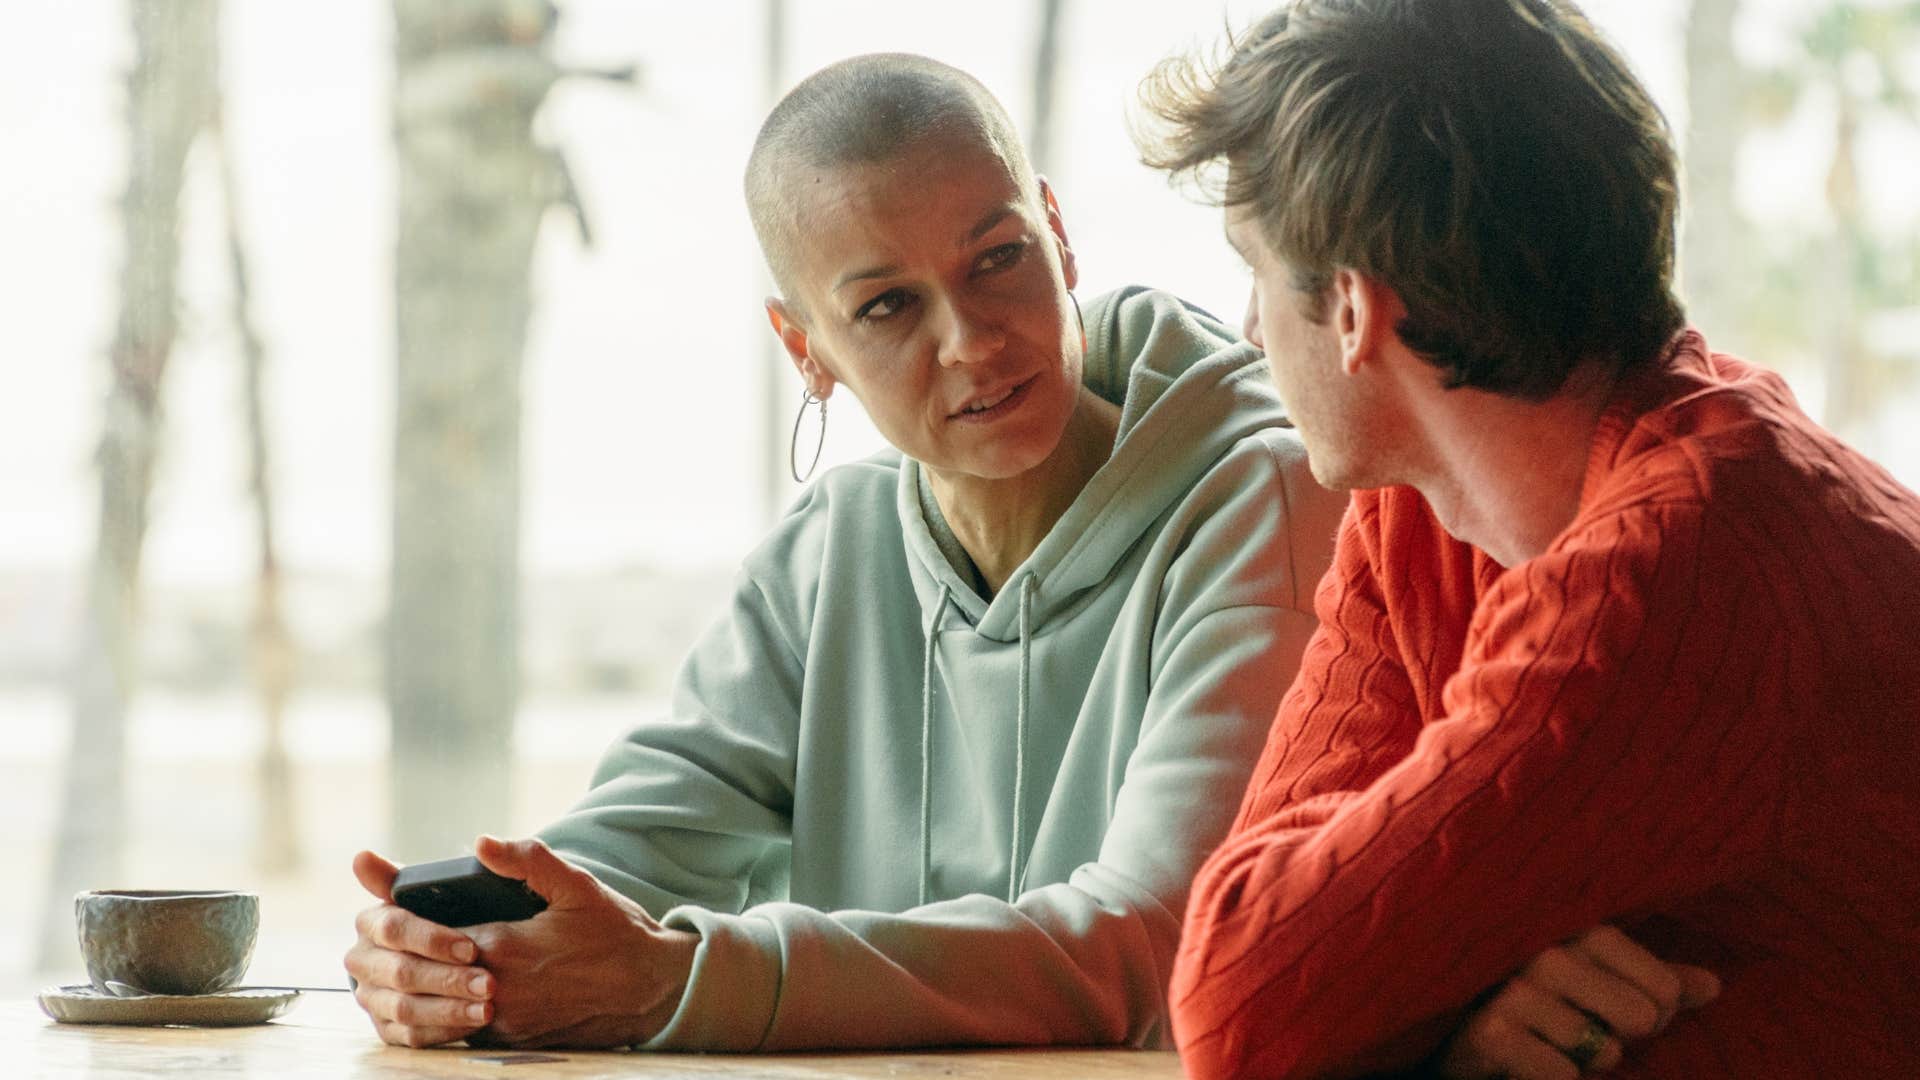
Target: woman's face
{"x":935,"y":290}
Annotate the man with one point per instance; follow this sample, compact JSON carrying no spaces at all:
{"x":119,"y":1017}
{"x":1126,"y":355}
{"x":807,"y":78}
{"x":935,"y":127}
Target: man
{"x":1613,"y":633}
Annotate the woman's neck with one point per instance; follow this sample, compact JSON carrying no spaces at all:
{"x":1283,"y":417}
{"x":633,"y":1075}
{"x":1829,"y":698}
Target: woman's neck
{"x":1000,"y":522}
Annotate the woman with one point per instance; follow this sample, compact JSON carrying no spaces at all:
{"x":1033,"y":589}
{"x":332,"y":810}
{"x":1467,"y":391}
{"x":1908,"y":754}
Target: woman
{"x":983,"y":701}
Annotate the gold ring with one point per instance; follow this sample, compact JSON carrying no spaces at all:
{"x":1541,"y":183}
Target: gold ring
{"x":1592,"y":1041}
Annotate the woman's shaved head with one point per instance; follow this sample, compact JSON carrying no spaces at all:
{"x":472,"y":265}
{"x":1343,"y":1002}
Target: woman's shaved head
{"x":866,"y":110}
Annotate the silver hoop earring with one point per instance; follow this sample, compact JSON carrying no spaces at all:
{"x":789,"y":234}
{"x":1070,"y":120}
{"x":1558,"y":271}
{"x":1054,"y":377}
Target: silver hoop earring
{"x":793,"y":443}
{"x":1079,"y":318}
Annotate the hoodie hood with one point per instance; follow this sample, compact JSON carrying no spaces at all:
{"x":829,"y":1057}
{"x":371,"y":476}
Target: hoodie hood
{"x":1187,"y":393}
{"x":1188,"y":390}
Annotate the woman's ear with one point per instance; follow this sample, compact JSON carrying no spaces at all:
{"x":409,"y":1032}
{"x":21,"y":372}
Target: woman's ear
{"x":1055,"y":222}
{"x":793,"y":338}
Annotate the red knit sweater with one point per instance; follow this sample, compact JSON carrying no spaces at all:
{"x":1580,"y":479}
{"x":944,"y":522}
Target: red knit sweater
{"x":1696,"y":715}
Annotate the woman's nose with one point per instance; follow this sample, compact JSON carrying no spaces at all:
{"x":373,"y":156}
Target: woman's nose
{"x":971,"y":336}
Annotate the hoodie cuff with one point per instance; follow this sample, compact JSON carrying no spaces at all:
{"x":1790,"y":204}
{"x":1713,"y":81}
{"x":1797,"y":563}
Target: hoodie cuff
{"x":733,"y":987}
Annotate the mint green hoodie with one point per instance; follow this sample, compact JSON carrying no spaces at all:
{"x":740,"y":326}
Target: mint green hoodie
{"x":899,"y":814}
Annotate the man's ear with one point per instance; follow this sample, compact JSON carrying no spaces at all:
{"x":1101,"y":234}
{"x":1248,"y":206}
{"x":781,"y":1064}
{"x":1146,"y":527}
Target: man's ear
{"x":1365,"y":312}
{"x":1059,"y":226}
{"x":793,"y":338}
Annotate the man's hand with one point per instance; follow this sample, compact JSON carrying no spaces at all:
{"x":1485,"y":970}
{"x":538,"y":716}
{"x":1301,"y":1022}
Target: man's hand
{"x":1533,"y":1027}
{"x":415,"y":978}
{"x":593,"y":970}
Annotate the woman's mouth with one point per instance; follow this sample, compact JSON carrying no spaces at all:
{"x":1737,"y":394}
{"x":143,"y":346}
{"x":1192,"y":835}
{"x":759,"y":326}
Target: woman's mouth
{"x":995,"y":405}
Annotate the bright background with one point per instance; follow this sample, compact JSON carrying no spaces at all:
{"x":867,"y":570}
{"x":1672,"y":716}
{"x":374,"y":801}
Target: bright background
{"x":643,"y":435}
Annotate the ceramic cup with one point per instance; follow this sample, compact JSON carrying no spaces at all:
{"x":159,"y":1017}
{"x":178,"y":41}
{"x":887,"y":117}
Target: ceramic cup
{"x":167,"y":942}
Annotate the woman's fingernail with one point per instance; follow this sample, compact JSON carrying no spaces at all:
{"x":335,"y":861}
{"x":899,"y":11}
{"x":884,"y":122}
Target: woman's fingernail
{"x":478,"y":984}
{"x":463,"y":952}
{"x":477,"y":1013}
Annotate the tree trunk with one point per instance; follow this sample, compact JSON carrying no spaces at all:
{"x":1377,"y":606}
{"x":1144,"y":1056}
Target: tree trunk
{"x":1046,"y":63}
{"x":1711,"y":267}
{"x":473,"y":183}
{"x":278,"y":846}
{"x":776,"y":488}
{"x":170,"y":98}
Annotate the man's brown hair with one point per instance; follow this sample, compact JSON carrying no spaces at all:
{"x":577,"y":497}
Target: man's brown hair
{"x":1493,"y":161}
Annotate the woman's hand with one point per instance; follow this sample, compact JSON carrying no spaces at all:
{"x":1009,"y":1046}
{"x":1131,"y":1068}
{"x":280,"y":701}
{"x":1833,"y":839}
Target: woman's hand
{"x":416,"y":979}
{"x":593,"y":970}
{"x":1568,"y":1010}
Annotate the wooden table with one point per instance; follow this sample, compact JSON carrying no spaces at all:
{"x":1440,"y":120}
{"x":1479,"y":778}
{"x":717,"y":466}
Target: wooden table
{"x":327,"y":1036}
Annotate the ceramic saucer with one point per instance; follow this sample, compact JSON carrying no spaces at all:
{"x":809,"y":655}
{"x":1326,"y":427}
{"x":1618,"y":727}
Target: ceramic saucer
{"x":83,"y":1004}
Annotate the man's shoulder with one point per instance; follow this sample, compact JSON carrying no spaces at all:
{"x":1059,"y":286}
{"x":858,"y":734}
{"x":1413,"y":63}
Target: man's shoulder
{"x":1742,"y":464}
{"x":1730,"y":436}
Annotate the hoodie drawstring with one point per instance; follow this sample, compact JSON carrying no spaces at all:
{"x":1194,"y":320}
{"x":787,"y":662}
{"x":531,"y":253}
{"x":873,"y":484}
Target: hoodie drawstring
{"x":1014,"y":869}
{"x":926,"y":747}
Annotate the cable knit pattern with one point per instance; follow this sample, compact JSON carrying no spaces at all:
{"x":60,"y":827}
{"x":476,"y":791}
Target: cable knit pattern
{"x":1694,"y":715}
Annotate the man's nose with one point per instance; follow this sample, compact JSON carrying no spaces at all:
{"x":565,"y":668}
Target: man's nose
{"x":972,"y":335}
{"x":1250,"y":325}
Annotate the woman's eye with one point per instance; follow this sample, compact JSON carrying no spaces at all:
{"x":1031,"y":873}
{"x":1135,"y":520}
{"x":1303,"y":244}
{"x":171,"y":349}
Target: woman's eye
{"x":1001,"y":257}
{"x":883,"y":306}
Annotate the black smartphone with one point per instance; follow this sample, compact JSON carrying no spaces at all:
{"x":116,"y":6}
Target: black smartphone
{"x":461,"y":892}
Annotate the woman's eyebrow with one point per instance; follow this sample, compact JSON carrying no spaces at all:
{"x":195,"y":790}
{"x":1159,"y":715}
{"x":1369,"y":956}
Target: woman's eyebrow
{"x":865,"y":274}
{"x":980,"y":228}
{"x":985,"y":225}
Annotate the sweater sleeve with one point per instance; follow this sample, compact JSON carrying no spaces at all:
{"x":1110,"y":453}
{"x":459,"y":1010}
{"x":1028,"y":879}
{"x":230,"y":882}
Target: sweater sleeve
{"x":1080,"y":961}
{"x":1353,"y":670}
{"x":1614,"y":739}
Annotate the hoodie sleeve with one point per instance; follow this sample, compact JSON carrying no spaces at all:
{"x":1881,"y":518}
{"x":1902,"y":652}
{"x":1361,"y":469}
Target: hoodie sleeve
{"x":1077,"y":962}
{"x":682,"y":809}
